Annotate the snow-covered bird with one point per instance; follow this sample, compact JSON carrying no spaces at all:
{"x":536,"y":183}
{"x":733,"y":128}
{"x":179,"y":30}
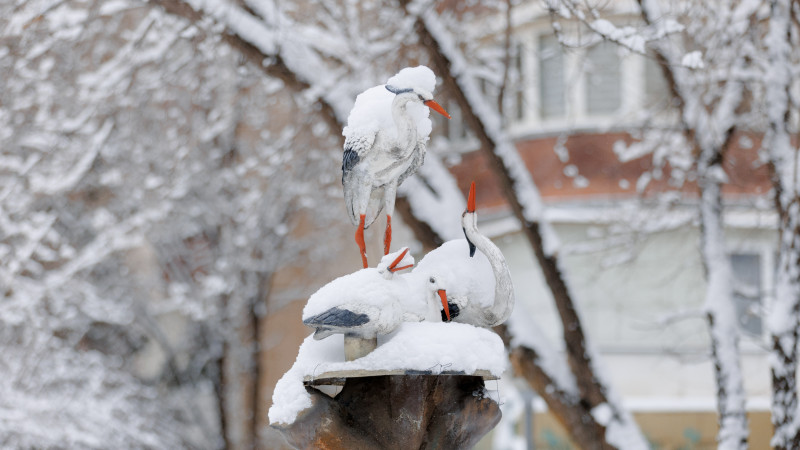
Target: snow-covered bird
{"x":367,"y":302}
{"x":451,"y":283}
{"x":477,"y":285}
{"x":370,"y":302}
{"x":385,"y":144}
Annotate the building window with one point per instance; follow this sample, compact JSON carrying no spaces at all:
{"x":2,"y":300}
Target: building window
{"x":603,"y":79}
{"x":655,"y":86}
{"x":551,"y":78}
{"x":747,"y":291}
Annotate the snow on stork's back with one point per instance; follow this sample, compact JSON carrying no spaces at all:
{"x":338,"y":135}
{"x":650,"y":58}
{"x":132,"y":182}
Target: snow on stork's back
{"x":373,"y":108}
{"x":366,"y":287}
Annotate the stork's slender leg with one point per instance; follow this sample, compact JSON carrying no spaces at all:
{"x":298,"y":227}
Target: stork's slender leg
{"x":390,"y":191}
{"x":387,"y":237}
{"x":360,"y":240}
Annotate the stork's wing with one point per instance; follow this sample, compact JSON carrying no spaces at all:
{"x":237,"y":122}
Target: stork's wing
{"x":356,"y":147}
{"x":417,"y":159}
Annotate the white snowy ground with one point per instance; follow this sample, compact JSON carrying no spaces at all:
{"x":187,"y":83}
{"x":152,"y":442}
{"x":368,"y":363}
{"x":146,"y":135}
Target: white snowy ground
{"x":420,"y":346}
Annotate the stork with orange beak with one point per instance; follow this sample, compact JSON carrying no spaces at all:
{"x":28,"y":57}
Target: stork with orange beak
{"x":378,"y":157}
{"x":451,"y":283}
{"x":474,"y":287}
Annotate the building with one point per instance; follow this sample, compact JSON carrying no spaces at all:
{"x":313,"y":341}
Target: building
{"x":629,"y":232}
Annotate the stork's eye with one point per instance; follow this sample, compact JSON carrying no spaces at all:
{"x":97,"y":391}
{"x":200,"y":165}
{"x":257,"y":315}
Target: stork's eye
{"x":420,"y":97}
{"x":432,"y":280}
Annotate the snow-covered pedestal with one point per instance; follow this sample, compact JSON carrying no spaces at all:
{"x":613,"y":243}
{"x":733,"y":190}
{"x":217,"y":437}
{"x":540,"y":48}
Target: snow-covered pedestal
{"x":422,"y":386}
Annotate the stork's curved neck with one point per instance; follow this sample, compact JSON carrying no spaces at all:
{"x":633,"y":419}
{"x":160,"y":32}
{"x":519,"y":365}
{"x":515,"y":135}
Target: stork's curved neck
{"x":406,"y":128}
{"x":503,"y":288}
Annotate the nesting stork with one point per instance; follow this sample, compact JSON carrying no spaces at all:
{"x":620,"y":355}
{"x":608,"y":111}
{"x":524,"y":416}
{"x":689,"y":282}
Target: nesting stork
{"x":366,"y":303}
{"x":379,"y":156}
{"x":451,"y":283}
{"x":475,"y":287}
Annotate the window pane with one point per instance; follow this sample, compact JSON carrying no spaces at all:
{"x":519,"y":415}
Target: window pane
{"x":551,"y":77}
{"x":655,"y":87}
{"x":746,"y":270}
{"x":603,"y":79}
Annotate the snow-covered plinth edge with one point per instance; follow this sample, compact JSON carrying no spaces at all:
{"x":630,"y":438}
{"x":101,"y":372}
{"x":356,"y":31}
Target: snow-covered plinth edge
{"x":424,"y":346}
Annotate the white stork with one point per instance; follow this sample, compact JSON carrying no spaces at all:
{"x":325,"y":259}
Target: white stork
{"x":378,"y":157}
{"x":452,"y":283}
{"x":477,"y":286}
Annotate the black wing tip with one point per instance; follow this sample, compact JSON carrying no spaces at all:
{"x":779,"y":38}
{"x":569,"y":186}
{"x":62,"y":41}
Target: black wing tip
{"x":454,"y":311}
{"x":337,"y":317}
{"x":349,"y":159}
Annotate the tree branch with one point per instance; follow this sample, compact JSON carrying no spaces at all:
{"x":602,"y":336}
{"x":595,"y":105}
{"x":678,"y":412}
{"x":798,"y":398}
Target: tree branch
{"x":514,"y":178}
{"x":273,"y":65}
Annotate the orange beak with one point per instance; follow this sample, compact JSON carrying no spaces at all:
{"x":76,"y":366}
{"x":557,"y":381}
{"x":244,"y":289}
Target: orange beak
{"x":443,"y":295}
{"x":436,"y":107}
{"x":471,"y":200}
{"x":393,"y":266}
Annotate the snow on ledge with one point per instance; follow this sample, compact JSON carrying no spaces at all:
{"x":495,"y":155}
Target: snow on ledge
{"x":423,"y":346}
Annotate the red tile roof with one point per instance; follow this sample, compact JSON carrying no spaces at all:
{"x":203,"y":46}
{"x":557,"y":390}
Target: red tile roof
{"x":606,"y":177}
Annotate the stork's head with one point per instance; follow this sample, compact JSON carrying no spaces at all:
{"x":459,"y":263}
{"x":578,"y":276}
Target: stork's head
{"x":394,"y":262}
{"x":438,"y":290}
{"x":418,"y":95}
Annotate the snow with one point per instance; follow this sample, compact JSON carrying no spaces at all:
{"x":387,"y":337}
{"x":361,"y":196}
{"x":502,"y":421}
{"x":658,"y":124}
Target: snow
{"x":373,"y":108}
{"x":693,"y":60}
{"x":424,"y":347}
{"x":603,"y":414}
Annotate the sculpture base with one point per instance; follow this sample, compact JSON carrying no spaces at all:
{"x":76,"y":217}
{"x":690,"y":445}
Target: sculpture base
{"x":396,"y":412}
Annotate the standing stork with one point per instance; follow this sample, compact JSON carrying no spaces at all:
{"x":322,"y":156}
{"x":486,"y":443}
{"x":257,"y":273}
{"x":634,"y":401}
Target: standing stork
{"x":378,"y":158}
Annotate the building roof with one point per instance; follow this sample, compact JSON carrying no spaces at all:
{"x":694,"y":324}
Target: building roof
{"x":594,"y":172}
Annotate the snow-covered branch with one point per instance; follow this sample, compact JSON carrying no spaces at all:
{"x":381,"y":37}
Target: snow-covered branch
{"x":525,"y":200}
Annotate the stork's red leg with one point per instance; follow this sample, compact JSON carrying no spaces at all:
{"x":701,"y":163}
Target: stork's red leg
{"x":360,"y":240}
{"x":387,"y":238}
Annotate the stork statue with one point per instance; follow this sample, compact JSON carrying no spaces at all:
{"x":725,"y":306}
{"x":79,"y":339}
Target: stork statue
{"x":451,"y":283}
{"x":378,"y":154}
{"x":465,"y":282}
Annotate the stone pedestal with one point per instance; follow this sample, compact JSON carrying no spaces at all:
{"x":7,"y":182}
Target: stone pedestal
{"x":397,"y":412}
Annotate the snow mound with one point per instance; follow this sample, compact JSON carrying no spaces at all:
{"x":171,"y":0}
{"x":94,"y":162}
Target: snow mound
{"x":426,"y":347}
{"x":373,"y":108}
